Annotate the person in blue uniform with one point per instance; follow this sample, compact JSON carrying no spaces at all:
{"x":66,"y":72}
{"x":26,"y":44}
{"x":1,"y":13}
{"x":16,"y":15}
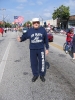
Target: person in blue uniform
{"x":38,"y":48}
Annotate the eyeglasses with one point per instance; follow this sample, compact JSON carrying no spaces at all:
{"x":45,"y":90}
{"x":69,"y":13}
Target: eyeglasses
{"x":36,"y":22}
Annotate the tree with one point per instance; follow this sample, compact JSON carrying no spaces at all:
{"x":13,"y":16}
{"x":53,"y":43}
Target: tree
{"x":62,"y":14}
{"x":27,"y":24}
{"x":5,"y":24}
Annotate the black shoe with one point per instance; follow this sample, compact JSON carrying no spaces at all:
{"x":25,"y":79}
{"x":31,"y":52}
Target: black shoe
{"x":42,"y":78}
{"x":34,"y":78}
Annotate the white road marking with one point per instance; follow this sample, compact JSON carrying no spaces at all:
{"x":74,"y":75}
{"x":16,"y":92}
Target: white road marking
{"x":3,"y":62}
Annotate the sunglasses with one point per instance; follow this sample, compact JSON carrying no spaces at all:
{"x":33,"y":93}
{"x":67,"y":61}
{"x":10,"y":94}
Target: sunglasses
{"x":36,"y":22}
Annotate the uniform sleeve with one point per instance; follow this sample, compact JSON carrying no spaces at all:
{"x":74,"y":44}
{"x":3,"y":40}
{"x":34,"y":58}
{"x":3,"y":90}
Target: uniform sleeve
{"x":46,"y":40}
{"x":24,"y":36}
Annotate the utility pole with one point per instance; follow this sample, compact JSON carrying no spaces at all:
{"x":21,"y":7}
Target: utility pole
{"x":3,"y":15}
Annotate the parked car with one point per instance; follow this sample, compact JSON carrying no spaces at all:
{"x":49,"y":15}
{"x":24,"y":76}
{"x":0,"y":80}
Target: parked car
{"x":24,"y":30}
{"x":50,"y":35}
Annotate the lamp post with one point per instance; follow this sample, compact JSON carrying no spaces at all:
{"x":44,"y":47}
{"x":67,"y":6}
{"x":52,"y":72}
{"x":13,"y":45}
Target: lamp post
{"x":54,"y":9}
{"x":42,"y":19}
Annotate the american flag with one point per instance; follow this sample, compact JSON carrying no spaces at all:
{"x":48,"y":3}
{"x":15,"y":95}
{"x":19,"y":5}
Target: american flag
{"x":18,"y":19}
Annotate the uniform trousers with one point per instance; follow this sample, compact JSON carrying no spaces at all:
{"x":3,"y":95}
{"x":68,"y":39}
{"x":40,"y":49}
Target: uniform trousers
{"x":37,"y":58}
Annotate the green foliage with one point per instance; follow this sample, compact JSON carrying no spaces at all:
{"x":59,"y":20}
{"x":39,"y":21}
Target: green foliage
{"x":5,"y":25}
{"x":61,"y":13}
{"x":1,"y":25}
{"x":26,"y":24}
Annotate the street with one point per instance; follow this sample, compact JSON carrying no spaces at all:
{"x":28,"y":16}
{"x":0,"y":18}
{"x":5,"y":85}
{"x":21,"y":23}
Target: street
{"x":16,"y":75}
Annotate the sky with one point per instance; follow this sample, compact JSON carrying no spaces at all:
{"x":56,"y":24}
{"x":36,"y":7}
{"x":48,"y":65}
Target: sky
{"x":32,"y":8}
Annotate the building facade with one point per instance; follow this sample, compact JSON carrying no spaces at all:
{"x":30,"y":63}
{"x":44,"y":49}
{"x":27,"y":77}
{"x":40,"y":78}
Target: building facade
{"x":50,"y":22}
{"x":63,"y":24}
{"x":71,"y":21}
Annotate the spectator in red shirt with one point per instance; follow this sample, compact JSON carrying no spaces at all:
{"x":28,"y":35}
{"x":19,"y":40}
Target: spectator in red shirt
{"x":1,"y":31}
{"x":69,"y":39}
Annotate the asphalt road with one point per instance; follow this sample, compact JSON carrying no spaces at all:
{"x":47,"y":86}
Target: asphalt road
{"x":16,"y":75}
{"x":60,"y":39}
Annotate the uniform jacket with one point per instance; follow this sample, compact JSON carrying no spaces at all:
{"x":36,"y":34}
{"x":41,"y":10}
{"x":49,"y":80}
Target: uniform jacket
{"x":38,"y":38}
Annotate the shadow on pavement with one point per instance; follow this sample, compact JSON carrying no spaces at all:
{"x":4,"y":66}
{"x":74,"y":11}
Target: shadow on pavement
{"x":47,"y":65}
{"x":71,"y":54}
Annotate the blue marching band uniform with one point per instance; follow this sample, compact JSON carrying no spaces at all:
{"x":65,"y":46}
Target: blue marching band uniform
{"x":38,"y":42}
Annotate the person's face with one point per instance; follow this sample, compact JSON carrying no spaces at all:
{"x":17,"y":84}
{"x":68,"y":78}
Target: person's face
{"x":71,"y":31}
{"x":36,"y":24}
